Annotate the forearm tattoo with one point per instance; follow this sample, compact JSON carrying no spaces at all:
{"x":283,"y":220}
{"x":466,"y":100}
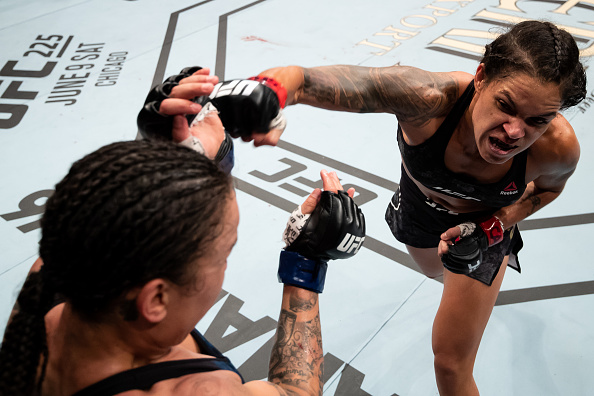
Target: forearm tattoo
{"x":297,"y":304}
{"x":297,"y":354}
{"x":414,"y":95}
{"x":534,"y":199}
{"x":536,"y":203}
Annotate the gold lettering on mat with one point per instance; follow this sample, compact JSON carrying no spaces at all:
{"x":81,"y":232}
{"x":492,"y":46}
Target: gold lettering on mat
{"x":416,"y":21}
{"x":463,"y":41}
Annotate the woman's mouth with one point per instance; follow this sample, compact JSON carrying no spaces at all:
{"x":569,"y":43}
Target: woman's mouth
{"x":500,"y":147}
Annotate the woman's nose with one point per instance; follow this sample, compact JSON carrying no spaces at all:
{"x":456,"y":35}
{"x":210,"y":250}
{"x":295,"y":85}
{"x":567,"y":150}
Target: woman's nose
{"x":514,"y":128}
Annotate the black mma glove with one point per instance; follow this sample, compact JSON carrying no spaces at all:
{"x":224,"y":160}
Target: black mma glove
{"x":247,"y":106}
{"x":154,"y":125}
{"x":151,"y":123}
{"x":335,"y":230}
{"x":466,"y":254}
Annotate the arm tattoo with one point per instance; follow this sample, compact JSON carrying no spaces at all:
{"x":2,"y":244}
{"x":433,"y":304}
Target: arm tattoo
{"x":297,"y":356}
{"x":297,"y":304}
{"x":536,"y":202}
{"x":414,"y":95}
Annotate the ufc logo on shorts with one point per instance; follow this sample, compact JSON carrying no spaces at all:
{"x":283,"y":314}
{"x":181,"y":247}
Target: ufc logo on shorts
{"x":473,"y":267}
{"x":349,"y":243}
{"x":235,"y":87}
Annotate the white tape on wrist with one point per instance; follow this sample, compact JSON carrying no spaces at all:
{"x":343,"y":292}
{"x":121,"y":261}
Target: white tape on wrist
{"x":295,"y":224}
{"x":194,"y":143}
{"x":279,"y":122}
{"x":466,"y":229}
{"x":206,"y":110}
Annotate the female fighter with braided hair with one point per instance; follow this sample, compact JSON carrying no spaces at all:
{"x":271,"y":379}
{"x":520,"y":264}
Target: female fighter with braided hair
{"x":479,"y":154}
{"x":134,"y":247}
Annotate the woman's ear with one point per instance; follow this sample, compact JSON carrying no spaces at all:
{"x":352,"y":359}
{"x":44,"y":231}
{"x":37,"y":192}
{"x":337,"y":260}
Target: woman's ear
{"x":479,"y":77}
{"x":152,"y":301}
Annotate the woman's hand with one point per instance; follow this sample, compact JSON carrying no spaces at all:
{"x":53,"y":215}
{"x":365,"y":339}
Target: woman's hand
{"x":330,"y":183}
{"x":447,"y":239}
{"x":209,"y":130}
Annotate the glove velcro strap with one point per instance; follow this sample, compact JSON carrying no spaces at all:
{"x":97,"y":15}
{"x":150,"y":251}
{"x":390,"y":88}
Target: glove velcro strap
{"x":226,"y":155}
{"x":493,"y":228}
{"x":296,"y":270}
{"x":276,"y":86}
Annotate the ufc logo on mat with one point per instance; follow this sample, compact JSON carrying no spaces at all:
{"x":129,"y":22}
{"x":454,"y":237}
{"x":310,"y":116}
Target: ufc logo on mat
{"x":235,"y":87}
{"x":349,"y":243}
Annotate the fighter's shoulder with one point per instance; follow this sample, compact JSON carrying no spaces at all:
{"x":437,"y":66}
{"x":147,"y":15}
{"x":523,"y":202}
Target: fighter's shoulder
{"x":558,"y":148}
{"x":218,"y":382}
{"x":430,"y":96}
{"x":436,"y":83}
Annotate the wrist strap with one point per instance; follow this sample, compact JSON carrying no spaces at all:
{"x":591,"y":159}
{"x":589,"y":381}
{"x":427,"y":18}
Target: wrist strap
{"x":493,"y":228}
{"x":276,"y":86}
{"x":297,"y":270}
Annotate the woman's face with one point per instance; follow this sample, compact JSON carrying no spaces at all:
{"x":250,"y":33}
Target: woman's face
{"x":511,"y":113}
{"x":193,"y":302}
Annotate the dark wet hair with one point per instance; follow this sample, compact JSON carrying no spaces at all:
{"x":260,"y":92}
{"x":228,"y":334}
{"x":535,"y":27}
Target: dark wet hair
{"x":125,"y":214}
{"x":541,"y":50}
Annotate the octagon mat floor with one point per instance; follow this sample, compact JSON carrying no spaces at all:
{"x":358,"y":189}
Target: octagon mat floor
{"x":75,"y":73}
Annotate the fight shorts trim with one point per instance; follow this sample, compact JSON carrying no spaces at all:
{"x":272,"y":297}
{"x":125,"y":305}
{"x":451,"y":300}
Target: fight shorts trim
{"x":417,"y":221}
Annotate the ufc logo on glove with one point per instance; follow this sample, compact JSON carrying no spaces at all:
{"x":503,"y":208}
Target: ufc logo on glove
{"x":234,"y":87}
{"x":349,"y":243}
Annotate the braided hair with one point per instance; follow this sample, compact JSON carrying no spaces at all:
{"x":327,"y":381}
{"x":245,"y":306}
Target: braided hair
{"x":541,"y":50}
{"x":125,"y":214}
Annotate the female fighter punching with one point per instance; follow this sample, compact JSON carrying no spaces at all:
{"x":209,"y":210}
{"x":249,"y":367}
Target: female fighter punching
{"x":479,"y":153}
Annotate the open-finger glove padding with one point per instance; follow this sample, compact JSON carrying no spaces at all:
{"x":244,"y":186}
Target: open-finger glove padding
{"x":151,"y":123}
{"x":248,"y":106}
{"x":466,"y":254}
{"x":154,"y":125}
{"x":335,"y":229}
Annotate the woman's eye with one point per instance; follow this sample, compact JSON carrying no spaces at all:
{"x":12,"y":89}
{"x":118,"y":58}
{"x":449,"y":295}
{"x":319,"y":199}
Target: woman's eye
{"x":537,"y":121}
{"x":504,"y":106}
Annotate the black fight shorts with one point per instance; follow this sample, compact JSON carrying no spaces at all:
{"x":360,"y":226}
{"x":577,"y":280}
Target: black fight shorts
{"x":417,"y":221}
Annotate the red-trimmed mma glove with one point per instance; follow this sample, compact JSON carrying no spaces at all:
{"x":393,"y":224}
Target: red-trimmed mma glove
{"x":248,"y":106}
{"x":154,"y":125}
{"x":466,"y":254}
{"x":335,"y":230}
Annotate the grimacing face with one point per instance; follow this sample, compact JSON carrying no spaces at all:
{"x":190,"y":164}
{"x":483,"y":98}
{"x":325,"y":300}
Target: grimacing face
{"x":511,"y":113}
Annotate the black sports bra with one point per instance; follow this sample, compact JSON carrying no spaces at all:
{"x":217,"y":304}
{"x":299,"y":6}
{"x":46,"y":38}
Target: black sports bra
{"x":425,"y":162}
{"x":143,"y":378}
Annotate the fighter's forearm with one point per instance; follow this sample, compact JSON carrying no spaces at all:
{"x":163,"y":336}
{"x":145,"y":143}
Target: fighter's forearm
{"x":414,"y":95}
{"x":531,"y":201}
{"x":296,"y":361}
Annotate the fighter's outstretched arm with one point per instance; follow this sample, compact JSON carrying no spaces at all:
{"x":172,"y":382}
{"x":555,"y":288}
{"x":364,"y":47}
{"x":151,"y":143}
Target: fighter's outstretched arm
{"x":413,"y":94}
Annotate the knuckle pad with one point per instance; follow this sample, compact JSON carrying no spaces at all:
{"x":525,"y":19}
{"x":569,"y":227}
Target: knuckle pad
{"x":188,"y":71}
{"x":466,"y":254}
{"x":244,"y":114}
{"x":333,"y":231}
